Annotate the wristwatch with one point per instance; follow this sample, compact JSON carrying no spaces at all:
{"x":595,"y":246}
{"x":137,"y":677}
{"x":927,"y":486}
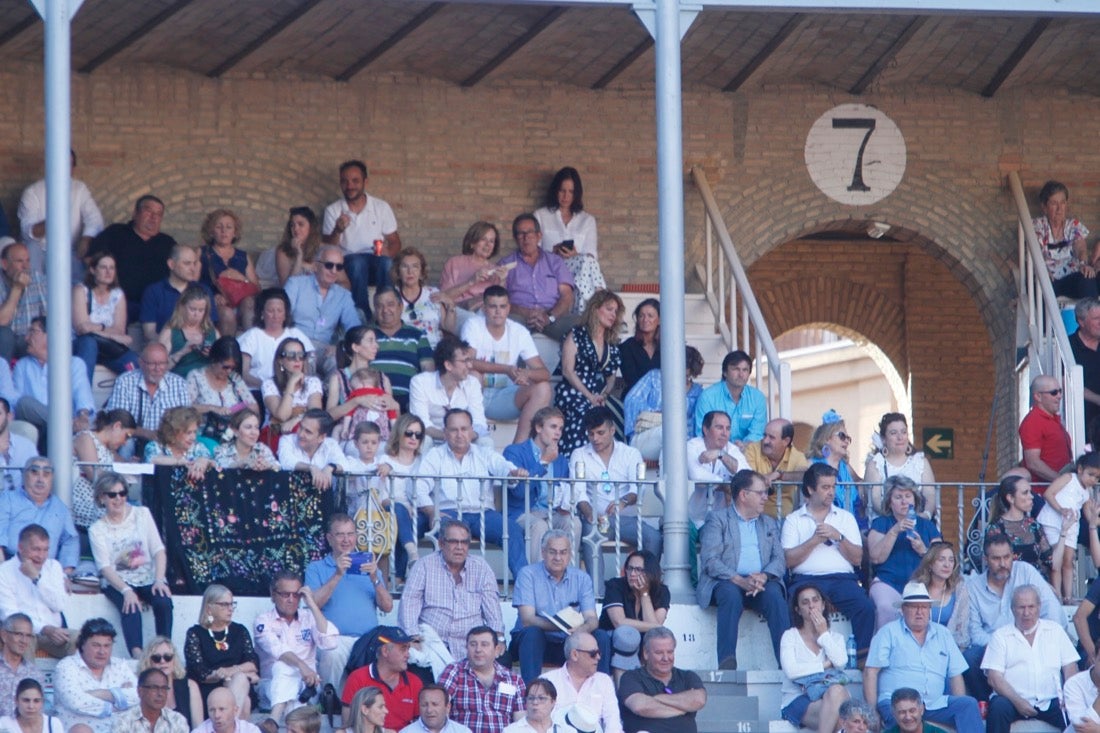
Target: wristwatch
{"x":552,"y":318}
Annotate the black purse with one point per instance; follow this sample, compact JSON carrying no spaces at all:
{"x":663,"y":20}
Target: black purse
{"x":108,"y":348}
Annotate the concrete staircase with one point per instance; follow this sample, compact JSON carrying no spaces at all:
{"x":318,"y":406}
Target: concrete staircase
{"x":698,"y":330}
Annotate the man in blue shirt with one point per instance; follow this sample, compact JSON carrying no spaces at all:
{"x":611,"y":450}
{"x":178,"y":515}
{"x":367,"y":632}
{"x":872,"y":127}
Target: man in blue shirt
{"x":319,"y":305}
{"x":544,"y":590}
{"x":160,"y":297}
{"x":742,"y":564}
{"x":35,"y":503}
{"x":349,"y":597}
{"x":913,"y":652}
{"x":745,"y":404}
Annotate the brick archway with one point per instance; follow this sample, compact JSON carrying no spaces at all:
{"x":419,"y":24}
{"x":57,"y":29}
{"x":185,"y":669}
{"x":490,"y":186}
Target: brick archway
{"x":935,"y":302}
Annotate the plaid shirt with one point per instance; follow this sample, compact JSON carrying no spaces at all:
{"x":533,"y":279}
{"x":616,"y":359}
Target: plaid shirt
{"x":31,"y":304}
{"x":483,"y":710}
{"x":131,"y":393}
{"x":432,"y":596}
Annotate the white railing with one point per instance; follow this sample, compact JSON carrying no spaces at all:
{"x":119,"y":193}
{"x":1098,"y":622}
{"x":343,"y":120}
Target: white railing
{"x":738,"y":319}
{"x":1048,"y":349}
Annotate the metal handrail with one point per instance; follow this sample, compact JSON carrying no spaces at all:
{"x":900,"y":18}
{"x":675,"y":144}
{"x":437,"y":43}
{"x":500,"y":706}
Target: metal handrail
{"x":1049,"y":346}
{"x":753,"y":330}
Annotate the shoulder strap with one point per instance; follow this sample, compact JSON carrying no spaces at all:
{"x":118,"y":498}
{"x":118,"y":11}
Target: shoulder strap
{"x":89,"y":292}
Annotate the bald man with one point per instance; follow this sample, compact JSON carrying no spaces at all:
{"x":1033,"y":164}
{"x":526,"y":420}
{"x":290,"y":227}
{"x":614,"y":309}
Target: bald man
{"x":147,"y":393}
{"x":1047,"y":447}
{"x":222,"y":712}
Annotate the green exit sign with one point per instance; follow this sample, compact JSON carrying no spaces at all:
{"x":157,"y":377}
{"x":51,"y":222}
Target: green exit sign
{"x":938,"y":443}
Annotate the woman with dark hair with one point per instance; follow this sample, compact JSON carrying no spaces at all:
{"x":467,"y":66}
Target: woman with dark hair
{"x":637,"y":598}
{"x":894,"y":455}
{"x":466,"y":276}
{"x":358,"y":349}
{"x":29,"y":707}
{"x":570,"y":232}
{"x":812,"y":657}
{"x":422,"y":306}
{"x":258,"y":344}
{"x":642,"y":351}
{"x":227,"y":270}
{"x":219,"y":387}
{"x":98,"y":447}
{"x":290,"y":392}
{"x":939,"y":571}
{"x":297,"y":252}
{"x":1063,"y":241}
{"x":589,"y":360}
{"x":99,"y":319}
{"x":129,"y":553}
{"x":189,"y":332}
{"x":541,"y":698}
{"x":1011,"y":516}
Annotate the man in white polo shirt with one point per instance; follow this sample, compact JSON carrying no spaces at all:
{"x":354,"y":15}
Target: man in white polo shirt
{"x":823,"y":545}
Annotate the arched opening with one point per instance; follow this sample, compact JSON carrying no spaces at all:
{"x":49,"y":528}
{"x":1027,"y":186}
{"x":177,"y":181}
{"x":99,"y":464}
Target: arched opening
{"x":836,"y":368}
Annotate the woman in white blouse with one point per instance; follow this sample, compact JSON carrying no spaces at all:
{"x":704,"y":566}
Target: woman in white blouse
{"x":130,"y":556}
{"x":570,"y":232}
{"x":812,"y":657}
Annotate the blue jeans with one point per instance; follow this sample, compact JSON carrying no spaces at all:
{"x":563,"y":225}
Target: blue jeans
{"x":1002,"y":714}
{"x":131,"y":622}
{"x":535,"y":646}
{"x":366,"y":269}
{"x":732,"y":601}
{"x":87,"y":349}
{"x":494,"y":532}
{"x":407,"y":533}
{"x":974,"y":677}
{"x":961,"y":712}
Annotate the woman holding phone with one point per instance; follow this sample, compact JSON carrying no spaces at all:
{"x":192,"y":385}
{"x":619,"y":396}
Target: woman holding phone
{"x":570,"y":232}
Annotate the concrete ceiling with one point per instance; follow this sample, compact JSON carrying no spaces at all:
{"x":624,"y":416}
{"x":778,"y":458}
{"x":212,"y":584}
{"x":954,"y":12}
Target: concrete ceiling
{"x":595,"y":47}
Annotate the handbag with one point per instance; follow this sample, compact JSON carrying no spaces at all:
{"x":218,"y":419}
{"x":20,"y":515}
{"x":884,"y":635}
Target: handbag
{"x":107,"y":349}
{"x":646,"y":420}
{"x":236,"y":290}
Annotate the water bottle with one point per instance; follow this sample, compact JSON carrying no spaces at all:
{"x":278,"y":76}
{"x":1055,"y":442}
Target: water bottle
{"x":911,"y":515}
{"x":851,"y":651}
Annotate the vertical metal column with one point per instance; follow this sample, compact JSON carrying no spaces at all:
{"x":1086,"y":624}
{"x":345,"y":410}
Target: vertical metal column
{"x":58,"y":15}
{"x":670,"y":220}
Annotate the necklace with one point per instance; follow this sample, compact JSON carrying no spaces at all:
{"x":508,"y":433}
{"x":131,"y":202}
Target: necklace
{"x":222,"y":644}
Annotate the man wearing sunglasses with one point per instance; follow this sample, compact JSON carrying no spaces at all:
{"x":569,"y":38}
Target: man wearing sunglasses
{"x":287,"y":641}
{"x":319,"y":304}
{"x":1047,"y":446}
{"x":579,"y":682}
{"x":36,"y":504}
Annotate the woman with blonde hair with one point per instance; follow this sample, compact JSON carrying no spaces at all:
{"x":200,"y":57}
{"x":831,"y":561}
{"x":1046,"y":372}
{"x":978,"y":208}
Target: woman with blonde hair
{"x":177,"y":443}
{"x":589,"y":360}
{"x":183,"y":694}
{"x":368,"y":712}
{"x":219,"y":650}
{"x":189,"y":332}
{"x":228,"y":271}
{"x":940,"y":573}
{"x":830,"y":443}
{"x":402,"y":455}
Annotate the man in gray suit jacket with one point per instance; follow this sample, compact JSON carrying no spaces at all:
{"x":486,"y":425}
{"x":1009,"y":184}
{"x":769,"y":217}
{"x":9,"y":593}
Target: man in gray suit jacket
{"x":742,"y":565}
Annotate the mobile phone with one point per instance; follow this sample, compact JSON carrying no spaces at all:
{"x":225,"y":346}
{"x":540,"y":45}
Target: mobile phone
{"x":358,"y":560}
{"x":566,"y":243}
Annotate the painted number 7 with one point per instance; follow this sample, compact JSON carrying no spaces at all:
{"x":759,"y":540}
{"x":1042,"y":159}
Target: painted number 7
{"x":857,"y":123}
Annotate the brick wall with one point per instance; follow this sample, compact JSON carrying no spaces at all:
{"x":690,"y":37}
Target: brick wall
{"x":445,"y":156}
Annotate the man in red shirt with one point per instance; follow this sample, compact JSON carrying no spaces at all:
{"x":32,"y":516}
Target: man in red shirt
{"x":389,"y":673}
{"x":1047,"y":448}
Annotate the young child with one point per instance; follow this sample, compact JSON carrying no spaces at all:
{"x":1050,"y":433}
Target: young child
{"x":366,"y":439}
{"x":1061,"y":516}
{"x":366,"y":382}
{"x":303,"y":719}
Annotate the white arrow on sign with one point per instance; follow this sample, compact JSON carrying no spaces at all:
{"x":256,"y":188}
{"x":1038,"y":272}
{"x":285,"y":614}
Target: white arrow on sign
{"x":938,"y":444}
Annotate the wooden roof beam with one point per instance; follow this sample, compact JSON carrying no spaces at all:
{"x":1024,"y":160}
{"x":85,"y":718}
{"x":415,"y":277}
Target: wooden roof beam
{"x":762,"y":55}
{"x":136,"y":35}
{"x":18,"y":28}
{"x":624,"y":63}
{"x":399,"y":35}
{"x":281,"y":25}
{"x":888,"y":55}
{"x":1016,"y":57}
{"x":512,"y":48}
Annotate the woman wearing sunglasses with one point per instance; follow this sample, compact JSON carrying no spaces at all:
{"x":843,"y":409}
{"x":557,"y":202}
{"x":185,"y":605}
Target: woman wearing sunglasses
{"x":130,"y":556}
{"x":290,"y":391}
{"x":274,"y":322}
{"x":183,"y":694}
{"x":830,"y":444}
{"x":402,"y":456}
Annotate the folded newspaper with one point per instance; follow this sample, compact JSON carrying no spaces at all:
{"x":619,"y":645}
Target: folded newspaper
{"x":567,"y":619}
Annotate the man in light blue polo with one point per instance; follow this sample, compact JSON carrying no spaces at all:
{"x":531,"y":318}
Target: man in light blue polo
{"x":319,"y":305}
{"x":745,"y":404}
{"x":348,"y":597}
{"x":35,"y":503}
{"x":543,"y":590}
{"x":913,"y":652}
